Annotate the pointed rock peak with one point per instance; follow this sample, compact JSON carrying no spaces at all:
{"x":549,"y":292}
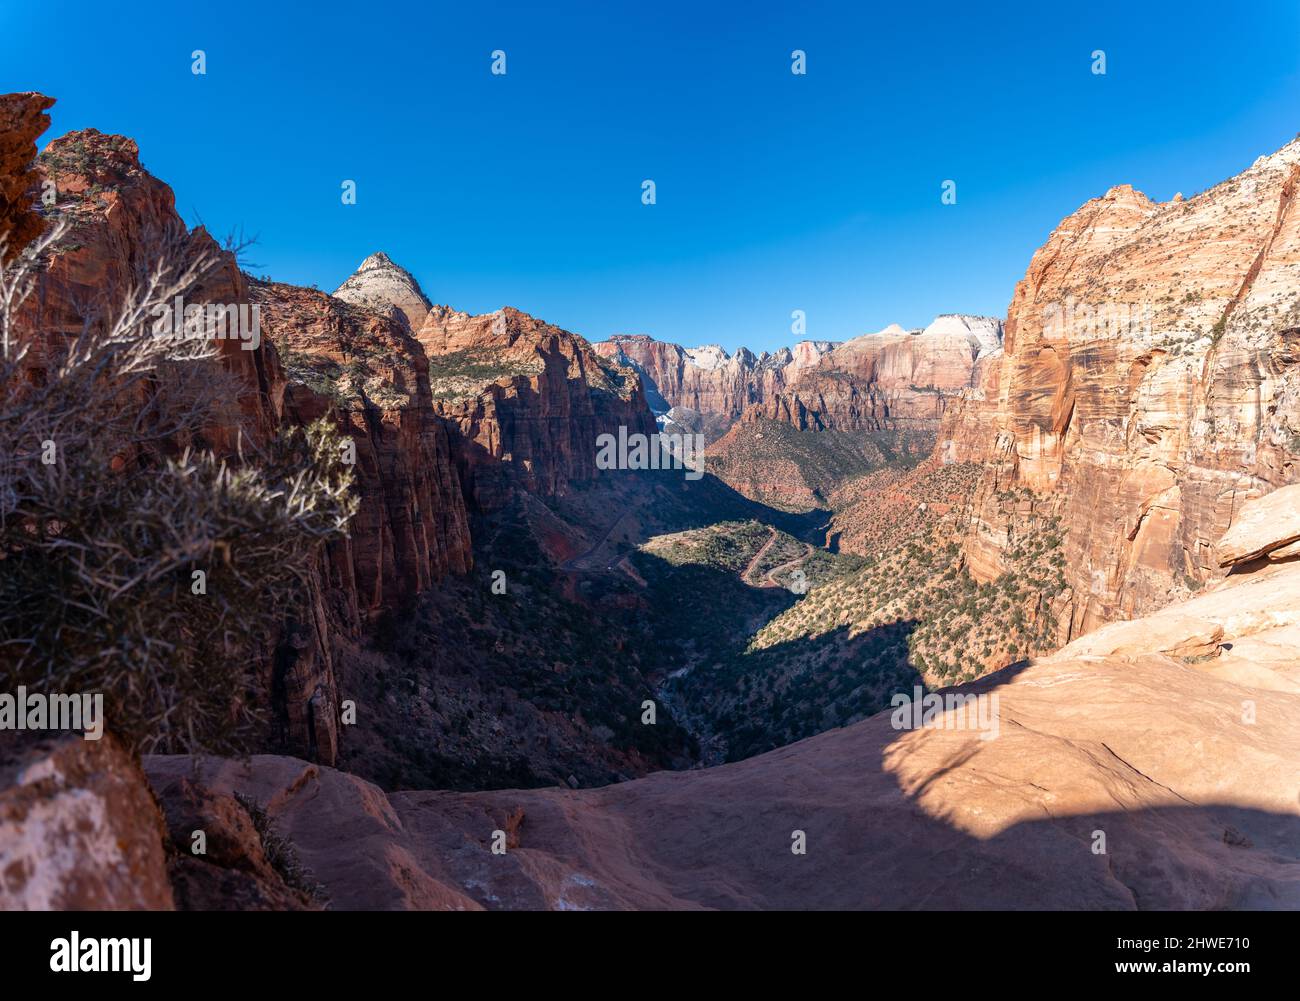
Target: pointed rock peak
{"x":378,"y":260}
{"x":386,"y":288}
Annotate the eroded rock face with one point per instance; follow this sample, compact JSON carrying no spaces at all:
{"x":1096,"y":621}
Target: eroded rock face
{"x":369,"y":372}
{"x":1148,"y":388}
{"x":1197,"y":798}
{"x":122,"y":221}
{"x":707,"y":380}
{"x":364,"y":371}
{"x":22,"y":120}
{"x":891,"y":379}
{"x":874,"y":382}
{"x":1266,"y":526}
{"x":510,"y":403}
{"x":78,"y":829}
{"x":525,"y":401}
{"x":1172,"y":738}
{"x":232,"y":871}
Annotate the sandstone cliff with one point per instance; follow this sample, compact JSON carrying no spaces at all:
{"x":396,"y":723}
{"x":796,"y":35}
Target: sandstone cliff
{"x":525,"y":401}
{"x":708,"y":380}
{"x":382,"y":286}
{"x":365,"y":368}
{"x":1148,"y":386}
{"x":891,"y":379}
{"x":1172,"y":737}
{"x":79,"y":829}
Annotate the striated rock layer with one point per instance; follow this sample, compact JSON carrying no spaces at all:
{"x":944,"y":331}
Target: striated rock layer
{"x":1148,"y":387}
{"x":446,"y":424}
{"x":383,"y":287}
{"x":1149,"y":765}
{"x":707,"y":380}
{"x":367,"y":370}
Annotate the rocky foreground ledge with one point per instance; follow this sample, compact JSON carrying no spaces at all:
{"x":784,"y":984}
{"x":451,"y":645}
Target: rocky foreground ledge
{"x":1170,"y":740}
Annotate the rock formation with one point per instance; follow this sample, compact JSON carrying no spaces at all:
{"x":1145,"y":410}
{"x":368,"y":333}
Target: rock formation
{"x":412,"y":528}
{"x":22,"y":120}
{"x":381,"y":286}
{"x":1146,"y":395}
{"x":877,"y":381}
{"x":1171,"y":737}
{"x":364,"y":367}
{"x":121,"y":221}
{"x":445,"y":426}
{"x":1149,"y":386}
{"x":891,"y":379}
{"x":707,"y":380}
{"x":78,"y":828}
{"x":526,"y":401}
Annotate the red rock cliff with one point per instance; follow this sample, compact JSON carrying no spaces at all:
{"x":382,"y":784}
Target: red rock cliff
{"x":526,"y":400}
{"x":22,"y":120}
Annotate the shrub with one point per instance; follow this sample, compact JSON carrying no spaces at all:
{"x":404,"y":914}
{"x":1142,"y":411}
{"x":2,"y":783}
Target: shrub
{"x":108,"y":507}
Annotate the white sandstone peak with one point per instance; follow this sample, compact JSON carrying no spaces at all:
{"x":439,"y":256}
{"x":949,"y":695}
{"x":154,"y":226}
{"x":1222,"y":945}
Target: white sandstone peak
{"x":385,"y":287}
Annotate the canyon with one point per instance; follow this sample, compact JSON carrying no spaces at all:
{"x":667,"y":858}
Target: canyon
{"x":1182,"y":763}
{"x":1087,"y":510}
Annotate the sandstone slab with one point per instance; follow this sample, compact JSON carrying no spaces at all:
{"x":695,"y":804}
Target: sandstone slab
{"x":1261,"y":526}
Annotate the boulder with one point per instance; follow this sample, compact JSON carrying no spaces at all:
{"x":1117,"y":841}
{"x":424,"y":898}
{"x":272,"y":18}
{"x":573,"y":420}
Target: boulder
{"x":79,"y":829}
{"x":1263,"y":526}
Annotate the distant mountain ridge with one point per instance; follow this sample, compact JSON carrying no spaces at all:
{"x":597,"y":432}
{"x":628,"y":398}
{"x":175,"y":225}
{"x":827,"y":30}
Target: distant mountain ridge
{"x":872,"y":382}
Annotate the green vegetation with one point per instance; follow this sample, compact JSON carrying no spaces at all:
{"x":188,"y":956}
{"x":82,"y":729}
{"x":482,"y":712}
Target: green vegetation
{"x":319,"y":373}
{"x":464,"y":373}
{"x":477,"y":690}
{"x":280,"y":852}
{"x":793,"y":470}
{"x":728,"y":545}
{"x":913,"y":614}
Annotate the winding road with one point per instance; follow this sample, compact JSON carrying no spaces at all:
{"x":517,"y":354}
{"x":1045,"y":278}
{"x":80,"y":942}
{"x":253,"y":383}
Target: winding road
{"x":769,"y":579}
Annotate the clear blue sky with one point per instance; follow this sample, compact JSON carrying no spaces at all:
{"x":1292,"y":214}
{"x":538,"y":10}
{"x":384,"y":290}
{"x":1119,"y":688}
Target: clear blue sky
{"x":775,"y":192}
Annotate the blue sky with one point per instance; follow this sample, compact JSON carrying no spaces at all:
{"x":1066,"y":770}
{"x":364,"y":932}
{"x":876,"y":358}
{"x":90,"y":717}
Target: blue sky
{"x":775,"y":192}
